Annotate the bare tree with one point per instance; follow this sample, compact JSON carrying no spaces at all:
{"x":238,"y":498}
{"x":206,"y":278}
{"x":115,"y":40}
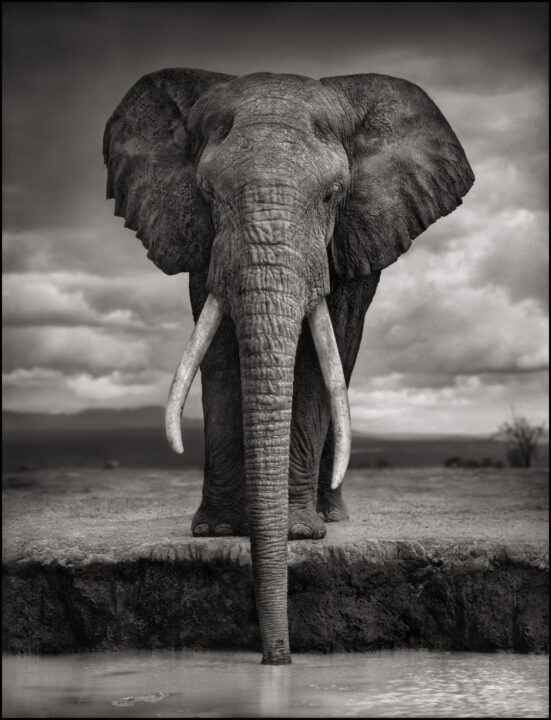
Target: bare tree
{"x":522,"y":438}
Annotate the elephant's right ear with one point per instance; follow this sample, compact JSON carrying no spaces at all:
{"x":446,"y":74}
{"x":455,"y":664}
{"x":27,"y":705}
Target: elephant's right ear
{"x":150,"y":171}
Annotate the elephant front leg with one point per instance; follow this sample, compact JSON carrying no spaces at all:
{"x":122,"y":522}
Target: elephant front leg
{"x":348,"y":304}
{"x":330,"y":504}
{"x":223,"y":508}
{"x":311,"y":415}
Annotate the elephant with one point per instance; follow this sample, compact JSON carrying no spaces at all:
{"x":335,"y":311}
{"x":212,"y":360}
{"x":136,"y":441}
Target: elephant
{"x":283,"y":197}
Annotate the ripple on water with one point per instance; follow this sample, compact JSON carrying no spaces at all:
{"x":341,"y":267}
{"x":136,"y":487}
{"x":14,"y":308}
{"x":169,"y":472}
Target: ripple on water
{"x":130,"y":701}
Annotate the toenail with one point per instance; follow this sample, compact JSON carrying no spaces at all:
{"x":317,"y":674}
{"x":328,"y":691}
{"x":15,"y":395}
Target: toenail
{"x":302,"y":530}
{"x":223,"y":529}
{"x":201,"y":529}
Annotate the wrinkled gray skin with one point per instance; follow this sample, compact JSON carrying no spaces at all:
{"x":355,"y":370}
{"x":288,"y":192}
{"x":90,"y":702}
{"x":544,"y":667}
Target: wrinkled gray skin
{"x":274,"y":191}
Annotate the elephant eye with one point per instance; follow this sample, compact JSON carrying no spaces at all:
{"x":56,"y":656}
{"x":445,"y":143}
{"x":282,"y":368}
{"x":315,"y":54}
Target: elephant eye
{"x":224,"y":129}
{"x":331,"y":191}
{"x":206,"y":188}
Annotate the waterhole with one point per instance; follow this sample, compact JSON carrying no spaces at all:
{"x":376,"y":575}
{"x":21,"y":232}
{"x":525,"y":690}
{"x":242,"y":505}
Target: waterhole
{"x":170,"y":684}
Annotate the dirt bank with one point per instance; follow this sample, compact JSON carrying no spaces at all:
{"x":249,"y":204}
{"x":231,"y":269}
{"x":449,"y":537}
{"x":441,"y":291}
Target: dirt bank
{"x":101,"y":559}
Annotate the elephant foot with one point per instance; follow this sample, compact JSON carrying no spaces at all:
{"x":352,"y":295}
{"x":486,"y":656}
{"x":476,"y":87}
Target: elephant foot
{"x":331,"y":506}
{"x":305,"y":523}
{"x":215,"y":520}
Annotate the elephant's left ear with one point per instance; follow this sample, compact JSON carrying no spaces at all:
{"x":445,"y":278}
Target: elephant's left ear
{"x":407,"y":165}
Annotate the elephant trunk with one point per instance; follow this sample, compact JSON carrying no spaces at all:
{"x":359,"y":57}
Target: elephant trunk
{"x":268,"y":325}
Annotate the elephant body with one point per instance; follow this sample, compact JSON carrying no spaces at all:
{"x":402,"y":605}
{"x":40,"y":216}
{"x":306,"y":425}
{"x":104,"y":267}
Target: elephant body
{"x":284,"y":198}
{"x":223,"y":508}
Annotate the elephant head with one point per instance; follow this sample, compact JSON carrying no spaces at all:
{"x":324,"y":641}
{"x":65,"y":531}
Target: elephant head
{"x":265,"y":180}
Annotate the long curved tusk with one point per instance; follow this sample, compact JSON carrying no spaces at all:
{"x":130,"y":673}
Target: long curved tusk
{"x":331,"y":368}
{"x":201,"y":338}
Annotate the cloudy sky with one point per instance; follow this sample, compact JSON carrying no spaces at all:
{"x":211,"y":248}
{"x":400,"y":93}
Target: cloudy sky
{"x":457,"y":334}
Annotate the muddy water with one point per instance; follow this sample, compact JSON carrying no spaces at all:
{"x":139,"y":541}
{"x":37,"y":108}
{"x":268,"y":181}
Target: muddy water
{"x":404,"y":683}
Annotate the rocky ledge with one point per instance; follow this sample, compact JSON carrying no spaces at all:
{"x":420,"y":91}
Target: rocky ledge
{"x":104,"y":559}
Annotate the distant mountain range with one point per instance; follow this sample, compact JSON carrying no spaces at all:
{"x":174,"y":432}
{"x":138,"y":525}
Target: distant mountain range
{"x":153,"y":417}
{"x":132,"y":438}
{"x":135,"y":438}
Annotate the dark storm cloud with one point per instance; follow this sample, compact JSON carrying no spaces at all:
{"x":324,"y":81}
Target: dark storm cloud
{"x":141,"y":302}
{"x":84,"y":323}
{"x":102,"y":248}
{"x":469,"y":404}
{"x":73,"y":349}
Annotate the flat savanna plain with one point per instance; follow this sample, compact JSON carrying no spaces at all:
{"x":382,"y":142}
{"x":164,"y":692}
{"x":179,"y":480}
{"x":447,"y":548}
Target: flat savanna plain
{"x":85,"y":514}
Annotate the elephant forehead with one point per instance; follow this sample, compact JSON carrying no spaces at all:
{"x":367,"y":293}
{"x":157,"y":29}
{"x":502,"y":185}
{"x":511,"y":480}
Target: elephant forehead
{"x":292,"y":97}
{"x":265,"y":104}
{"x":292,"y":86}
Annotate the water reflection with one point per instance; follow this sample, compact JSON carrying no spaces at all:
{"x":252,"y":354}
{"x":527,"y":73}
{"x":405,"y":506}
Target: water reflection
{"x":215,"y":684}
{"x":274,"y":692}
